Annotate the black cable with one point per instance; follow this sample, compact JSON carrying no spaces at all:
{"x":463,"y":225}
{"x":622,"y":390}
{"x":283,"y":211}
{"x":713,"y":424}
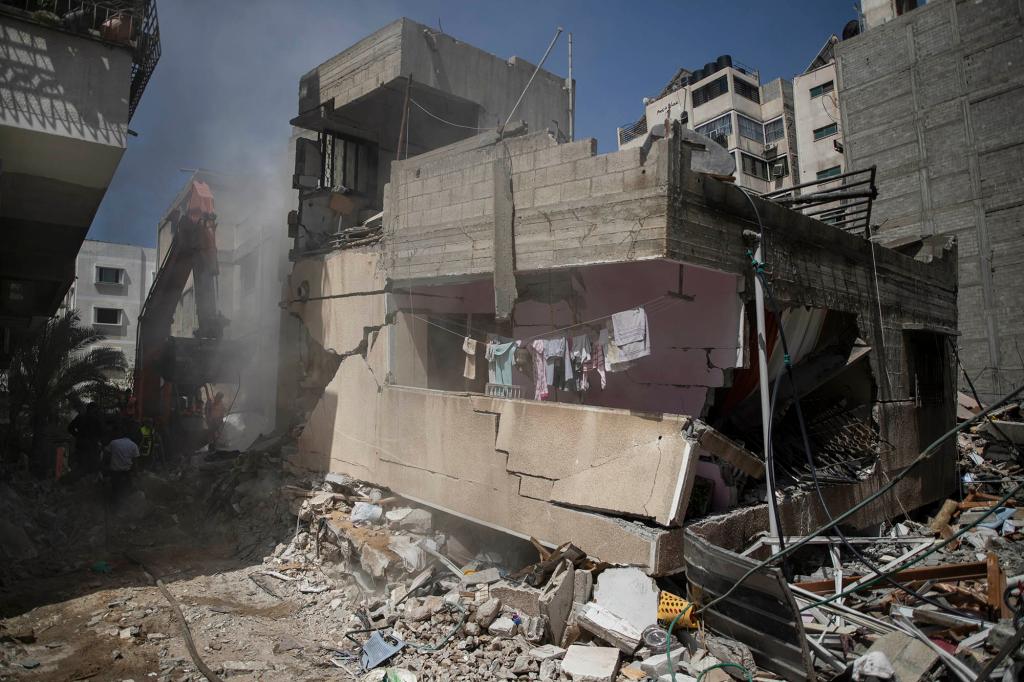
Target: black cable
{"x":788,"y":369}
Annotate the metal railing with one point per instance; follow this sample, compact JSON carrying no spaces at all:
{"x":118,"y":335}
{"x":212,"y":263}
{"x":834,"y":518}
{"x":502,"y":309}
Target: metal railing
{"x":631,"y":131}
{"x":844,"y":200}
{"x":130,"y":23}
{"x":743,"y":68}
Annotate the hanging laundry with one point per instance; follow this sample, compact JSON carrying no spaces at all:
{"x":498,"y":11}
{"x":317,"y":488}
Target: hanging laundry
{"x":469,"y":348}
{"x":630,"y":335}
{"x":581,"y":356}
{"x":540,"y":383}
{"x":597,"y":361}
{"x":554,"y":357}
{"x":499,"y":361}
{"x":567,"y":377}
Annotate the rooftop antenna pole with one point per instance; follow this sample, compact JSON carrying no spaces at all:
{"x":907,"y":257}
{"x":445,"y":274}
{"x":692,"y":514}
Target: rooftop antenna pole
{"x":572,"y":96}
{"x":519,"y":101}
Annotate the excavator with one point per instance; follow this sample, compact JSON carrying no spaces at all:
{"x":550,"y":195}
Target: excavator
{"x":171,"y":373}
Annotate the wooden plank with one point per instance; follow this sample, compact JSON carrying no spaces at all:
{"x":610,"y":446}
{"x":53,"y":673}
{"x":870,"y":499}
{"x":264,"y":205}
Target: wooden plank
{"x":996,"y":587}
{"x":968,"y":571}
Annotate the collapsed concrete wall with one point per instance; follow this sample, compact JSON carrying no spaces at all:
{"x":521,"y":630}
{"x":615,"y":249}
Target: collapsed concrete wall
{"x":613,"y":482}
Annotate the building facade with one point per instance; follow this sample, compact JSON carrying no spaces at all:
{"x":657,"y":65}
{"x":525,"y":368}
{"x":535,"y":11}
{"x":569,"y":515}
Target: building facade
{"x":111,"y":284}
{"x":932,"y":98}
{"x":71,"y":76}
{"x":819,"y":134}
{"x":727,"y":102}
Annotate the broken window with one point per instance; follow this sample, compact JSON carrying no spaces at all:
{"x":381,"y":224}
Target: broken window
{"x":745,"y":89}
{"x":350,"y":164}
{"x":107,"y":315}
{"x":106,"y":275}
{"x":706,"y":93}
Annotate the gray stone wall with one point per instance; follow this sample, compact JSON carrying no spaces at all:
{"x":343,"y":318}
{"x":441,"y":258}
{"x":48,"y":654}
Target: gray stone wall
{"x":933,"y":99}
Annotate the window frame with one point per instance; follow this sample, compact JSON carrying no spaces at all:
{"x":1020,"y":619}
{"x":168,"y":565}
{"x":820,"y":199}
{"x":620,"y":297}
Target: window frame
{"x":96,"y":316}
{"x":708,"y":87}
{"x":777,"y":119}
{"x":711,"y":128}
{"x":834,"y":126}
{"x":739,"y":85}
{"x":743,"y":156}
{"x":827,"y":173}
{"x":740,"y":118}
{"x":97,"y":279}
{"x":823,"y":89}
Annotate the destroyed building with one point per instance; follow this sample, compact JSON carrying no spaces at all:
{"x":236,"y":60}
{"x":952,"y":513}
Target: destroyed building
{"x":515,"y":235}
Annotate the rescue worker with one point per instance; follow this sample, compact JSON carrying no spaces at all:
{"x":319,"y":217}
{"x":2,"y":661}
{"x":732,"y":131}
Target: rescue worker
{"x":121,"y":455}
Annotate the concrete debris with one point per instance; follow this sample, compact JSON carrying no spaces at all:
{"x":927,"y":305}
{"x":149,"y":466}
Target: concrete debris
{"x":503,"y":627}
{"x":629,"y":594}
{"x":547,"y":652}
{"x":907,"y":657}
{"x":591,"y":663}
{"x":873,"y":665}
{"x":601,"y":622}
{"x":366,"y":512}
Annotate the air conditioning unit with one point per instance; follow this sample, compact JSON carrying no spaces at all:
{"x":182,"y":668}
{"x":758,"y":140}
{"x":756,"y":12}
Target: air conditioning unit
{"x":778,"y":170}
{"x":770,"y":150}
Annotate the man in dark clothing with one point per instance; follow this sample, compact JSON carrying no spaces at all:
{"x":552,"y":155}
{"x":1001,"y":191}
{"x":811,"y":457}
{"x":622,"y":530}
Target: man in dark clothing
{"x":87,"y":428}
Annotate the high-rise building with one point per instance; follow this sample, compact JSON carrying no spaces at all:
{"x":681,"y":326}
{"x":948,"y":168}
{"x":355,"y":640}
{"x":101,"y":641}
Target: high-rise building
{"x":72,"y":73}
{"x":727,"y":102}
{"x":819,"y":134}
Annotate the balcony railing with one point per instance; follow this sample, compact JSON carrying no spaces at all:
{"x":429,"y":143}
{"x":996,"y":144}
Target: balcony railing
{"x":130,"y":23}
{"x":631,"y":131}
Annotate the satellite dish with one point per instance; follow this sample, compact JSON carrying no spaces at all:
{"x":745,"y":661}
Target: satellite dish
{"x":706,"y":155}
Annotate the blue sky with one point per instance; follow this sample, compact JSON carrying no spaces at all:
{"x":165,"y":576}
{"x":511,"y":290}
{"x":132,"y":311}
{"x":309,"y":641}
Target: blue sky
{"x":227,"y":81}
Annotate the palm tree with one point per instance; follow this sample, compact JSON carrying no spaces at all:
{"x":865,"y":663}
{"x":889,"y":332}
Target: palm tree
{"x":55,"y":370}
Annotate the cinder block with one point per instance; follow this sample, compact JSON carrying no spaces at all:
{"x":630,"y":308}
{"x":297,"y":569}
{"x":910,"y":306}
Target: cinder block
{"x":543,"y":196}
{"x":622,"y":160}
{"x":591,"y":166}
{"x":577,"y":189}
{"x":609,"y":183}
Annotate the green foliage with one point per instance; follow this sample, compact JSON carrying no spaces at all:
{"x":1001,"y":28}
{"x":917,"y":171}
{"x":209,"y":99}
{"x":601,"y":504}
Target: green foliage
{"x":55,"y":370}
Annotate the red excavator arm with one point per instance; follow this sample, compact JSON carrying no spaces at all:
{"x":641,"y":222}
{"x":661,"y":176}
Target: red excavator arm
{"x":161,"y":360}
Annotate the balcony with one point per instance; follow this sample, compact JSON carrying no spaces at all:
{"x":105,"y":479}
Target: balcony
{"x":127,"y":23}
{"x":632,"y":131}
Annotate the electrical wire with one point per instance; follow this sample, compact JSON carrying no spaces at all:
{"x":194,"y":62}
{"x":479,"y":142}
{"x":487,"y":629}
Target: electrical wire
{"x":435,"y":116}
{"x":787,"y":368}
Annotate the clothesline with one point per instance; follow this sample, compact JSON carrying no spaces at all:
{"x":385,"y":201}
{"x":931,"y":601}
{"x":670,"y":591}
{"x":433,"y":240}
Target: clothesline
{"x":546,"y":333}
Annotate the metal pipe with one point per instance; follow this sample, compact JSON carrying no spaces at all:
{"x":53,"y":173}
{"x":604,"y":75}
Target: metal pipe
{"x":572,"y":96}
{"x":822,"y":197}
{"x":519,"y":101}
{"x":818,"y":182}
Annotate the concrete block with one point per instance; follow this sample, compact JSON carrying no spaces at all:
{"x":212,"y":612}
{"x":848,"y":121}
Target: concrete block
{"x":487,"y":612}
{"x":609,"y":183}
{"x":556,"y":601}
{"x":545,"y":196}
{"x":629,"y":594}
{"x":548,"y":652}
{"x":583,"y":584}
{"x":577,"y":189}
{"x":522,"y":599}
{"x":601,"y":622}
{"x":909,"y":657}
{"x":591,"y":663}
{"x":503,"y":627}
{"x":658,"y":665}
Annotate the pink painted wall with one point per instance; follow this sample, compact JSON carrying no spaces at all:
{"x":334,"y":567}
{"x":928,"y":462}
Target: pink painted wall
{"x":693,"y":342}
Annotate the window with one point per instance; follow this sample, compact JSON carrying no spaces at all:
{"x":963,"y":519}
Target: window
{"x":754,"y":166}
{"x":750,"y":129}
{"x":349,"y":163}
{"x":823,"y":89}
{"x":745,"y":89}
{"x":108,"y":275}
{"x":107,"y":315}
{"x":774,"y":130}
{"x":826,"y":131}
{"x":828,"y":173}
{"x":706,"y":93}
{"x":717,"y":129}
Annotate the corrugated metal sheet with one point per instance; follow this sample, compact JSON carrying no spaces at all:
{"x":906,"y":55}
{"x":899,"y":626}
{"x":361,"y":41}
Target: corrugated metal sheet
{"x":761,"y":613}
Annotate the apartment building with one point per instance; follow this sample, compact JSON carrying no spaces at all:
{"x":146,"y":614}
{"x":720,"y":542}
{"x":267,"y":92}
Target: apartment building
{"x":110,"y":286}
{"x":72,"y":73}
{"x":819,"y":134}
{"x":726,"y":101}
